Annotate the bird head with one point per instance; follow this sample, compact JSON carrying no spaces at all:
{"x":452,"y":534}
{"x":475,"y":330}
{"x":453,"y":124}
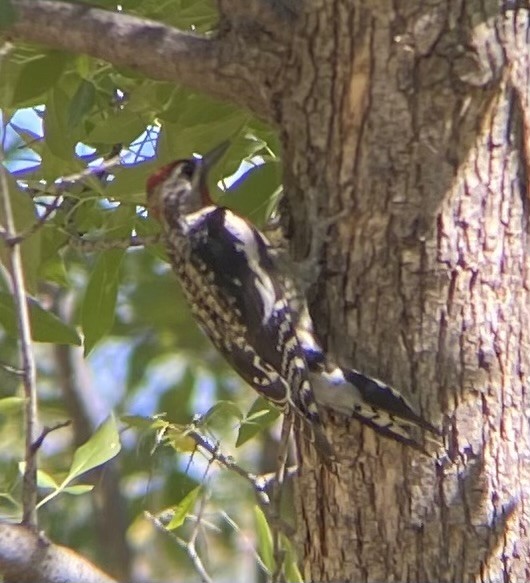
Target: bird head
{"x":181,"y":187}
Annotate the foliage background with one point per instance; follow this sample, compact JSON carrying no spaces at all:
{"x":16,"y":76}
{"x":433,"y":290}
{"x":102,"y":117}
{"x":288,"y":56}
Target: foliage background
{"x":112,"y":331}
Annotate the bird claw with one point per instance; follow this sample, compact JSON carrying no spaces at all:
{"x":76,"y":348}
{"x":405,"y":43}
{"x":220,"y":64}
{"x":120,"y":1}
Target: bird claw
{"x":308,"y":269}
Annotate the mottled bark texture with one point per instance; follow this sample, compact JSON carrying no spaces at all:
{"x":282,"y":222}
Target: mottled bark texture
{"x":411,"y":115}
{"x":27,"y":556}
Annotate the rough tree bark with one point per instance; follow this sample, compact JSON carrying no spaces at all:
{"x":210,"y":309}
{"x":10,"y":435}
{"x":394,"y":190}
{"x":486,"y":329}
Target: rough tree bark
{"x":415,"y":117}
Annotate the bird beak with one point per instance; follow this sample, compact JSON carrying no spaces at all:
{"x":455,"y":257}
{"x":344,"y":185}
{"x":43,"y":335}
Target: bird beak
{"x":213,"y":156}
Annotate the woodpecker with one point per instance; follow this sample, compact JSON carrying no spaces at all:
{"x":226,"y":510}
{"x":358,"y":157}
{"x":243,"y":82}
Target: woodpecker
{"x":234,"y":290}
{"x":255,"y":316}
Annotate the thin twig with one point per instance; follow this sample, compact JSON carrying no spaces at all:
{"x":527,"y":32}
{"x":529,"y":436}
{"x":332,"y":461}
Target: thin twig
{"x":206,"y":524}
{"x":197,"y":563}
{"x":192,"y":553}
{"x":237,"y":529}
{"x":73,"y":179}
{"x":57,"y":191}
{"x":11,"y":369}
{"x":29,"y":485}
{"x":266,"y":480}
{"x":36,"y":445}
{"x":258,"y":482}
{"x":38,"y":224}
{"x":278,"y":552}
{"x":230,"y":464}
{"x":65,"y":183}
{"x":200,"y":514}
{"x":270,"y":507}
{"x":105,"y":245}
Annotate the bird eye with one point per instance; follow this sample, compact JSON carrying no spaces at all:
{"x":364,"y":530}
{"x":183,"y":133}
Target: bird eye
{"x":188,"y":169}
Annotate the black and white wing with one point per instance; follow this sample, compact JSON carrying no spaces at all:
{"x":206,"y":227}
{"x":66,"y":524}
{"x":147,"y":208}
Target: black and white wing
{"x":246,"y":313}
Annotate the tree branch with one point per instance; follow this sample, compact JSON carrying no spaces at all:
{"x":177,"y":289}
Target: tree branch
{"x":103,"y":245}
{"x":29,"y":380}
{"x":258,"y":482}
{"x":158,"y":51}
{"x":230,"y":464}
{"x":26,"y":556}
{"x":188,"y":546}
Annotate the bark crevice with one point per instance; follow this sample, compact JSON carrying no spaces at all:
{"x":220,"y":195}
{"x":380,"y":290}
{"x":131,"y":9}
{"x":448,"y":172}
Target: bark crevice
{"x":431,"y":288}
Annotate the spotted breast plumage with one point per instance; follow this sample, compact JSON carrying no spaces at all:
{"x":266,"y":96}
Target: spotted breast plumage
{"x":234,"y":291}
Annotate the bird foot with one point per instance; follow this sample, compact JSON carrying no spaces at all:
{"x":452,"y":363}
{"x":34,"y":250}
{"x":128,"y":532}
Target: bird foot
{"x":308,"y":270}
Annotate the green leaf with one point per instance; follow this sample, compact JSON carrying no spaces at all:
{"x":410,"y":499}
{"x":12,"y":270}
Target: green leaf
{"x":292,"y":572}
{"x":140,"y":358}
{"x":183,"y":508}
{"x":119,"y":222}
{"x":263,"y":531}
{"x":120,"y":128}
{"x":197,"y":130}
{"x":223,"y":408}
{"x":81,"y":104}
{"x":253,"y":194}
{"x":99,"y":303}
{"x":82,"y":65}
{"x":54,"y":270}
{"x":11,"y":502}
{"x":78,"y":489}
{"x":11,"y":405}
{"x":8,"y":14}
{"x":60,"y":140}
{"x":261,"y":415}
{"x":177,"y":436}
{"x":100,"y":448}
{"x":9,"y":71}
{"x":137,"y":421}
{"x":180,"y":13}
{"x":45,"y":326}
{"x":105,"y":3}
{"x":53,"y":166}
{"x":24,"y":216}
{"x":129,"y":183}
{"x":38,"y":75}
{"x":172,"y":434}
{"x":176,"y":400}
{"x":155,"y":423}
{"x":44,"y":480}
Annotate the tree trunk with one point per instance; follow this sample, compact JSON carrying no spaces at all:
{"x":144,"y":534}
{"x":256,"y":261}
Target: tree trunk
{"x":412,"y":117}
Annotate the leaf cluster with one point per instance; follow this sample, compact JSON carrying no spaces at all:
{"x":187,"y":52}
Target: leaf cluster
{"x":62,"y":115}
